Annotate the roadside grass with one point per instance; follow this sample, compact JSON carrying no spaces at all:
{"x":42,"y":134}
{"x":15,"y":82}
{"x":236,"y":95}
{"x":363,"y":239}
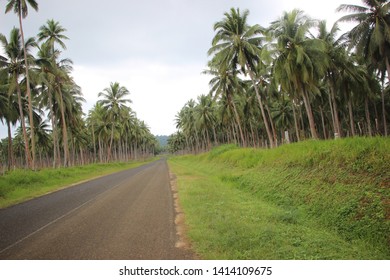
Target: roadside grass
{"x":309,"y":200}
{"x":21,"y":185}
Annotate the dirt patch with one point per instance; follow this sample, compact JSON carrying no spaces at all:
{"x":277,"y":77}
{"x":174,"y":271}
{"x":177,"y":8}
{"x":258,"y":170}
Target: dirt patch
{"x":182,"y":240}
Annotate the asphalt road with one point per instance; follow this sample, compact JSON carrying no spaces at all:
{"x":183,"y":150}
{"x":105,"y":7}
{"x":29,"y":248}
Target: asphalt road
{"x":126,"y":215}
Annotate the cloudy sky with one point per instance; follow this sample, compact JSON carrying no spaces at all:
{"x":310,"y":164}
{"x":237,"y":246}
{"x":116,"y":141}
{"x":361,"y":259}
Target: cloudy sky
{"x":155,"y":48}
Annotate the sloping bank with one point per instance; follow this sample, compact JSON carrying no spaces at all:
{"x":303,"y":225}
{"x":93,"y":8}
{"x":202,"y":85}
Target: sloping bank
{"x":309,"y":200}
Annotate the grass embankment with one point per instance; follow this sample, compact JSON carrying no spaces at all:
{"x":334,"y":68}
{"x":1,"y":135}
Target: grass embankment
{"x":309,"y":200}
{"x":21,"y":185}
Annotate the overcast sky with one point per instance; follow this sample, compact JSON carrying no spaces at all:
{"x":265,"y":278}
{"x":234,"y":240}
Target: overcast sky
{"x":157,"y":49}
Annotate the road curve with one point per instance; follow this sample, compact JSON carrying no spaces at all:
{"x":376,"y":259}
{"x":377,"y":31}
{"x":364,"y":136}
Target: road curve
{"x":126,"y":215}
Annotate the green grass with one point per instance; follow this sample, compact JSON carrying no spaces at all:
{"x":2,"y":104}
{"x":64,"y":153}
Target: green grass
{"x":21,"y":185}
{"x":309,"y":200}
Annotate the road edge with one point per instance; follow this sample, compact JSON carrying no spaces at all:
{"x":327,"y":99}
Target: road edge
{"x":181,"y":228}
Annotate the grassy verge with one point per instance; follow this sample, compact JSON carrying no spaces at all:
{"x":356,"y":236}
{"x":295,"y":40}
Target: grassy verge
{"x":310,"y":200}
{"x":20,"y":185}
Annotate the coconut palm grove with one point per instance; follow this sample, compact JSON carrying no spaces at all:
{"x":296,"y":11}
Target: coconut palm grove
{"x":295,"y":79}
{"x":39,"y":94}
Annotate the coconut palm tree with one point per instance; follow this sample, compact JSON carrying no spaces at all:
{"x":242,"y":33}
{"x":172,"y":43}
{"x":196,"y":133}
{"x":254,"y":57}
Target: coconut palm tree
{"x":226,"y":83}
{"x":97,"y":122}
{"x":113,"y":100}
{"x":236,"y":44}
{"x":20,"y":8}
{"x":371,"y":36}
{"x":51,"y":34}
{"x":8,"y":111}
{"x":14,"y":62}
{"x":176,"y":142}
{"x":335,"y":49}
{"x":205,"y":116}
{"x":300,"y":60}
{"x":42,"y":138}
{"x":60,"y":79}
{"x":72,"y":103}
{"x":44,"y":76}
{"x":281,"y":112}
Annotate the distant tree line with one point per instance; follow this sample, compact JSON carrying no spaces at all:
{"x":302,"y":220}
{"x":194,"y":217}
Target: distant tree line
{"x":282,"y":83}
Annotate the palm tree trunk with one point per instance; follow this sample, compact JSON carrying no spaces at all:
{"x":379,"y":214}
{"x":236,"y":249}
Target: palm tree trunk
{"x":238,"y":120}
{"x":376,"y":119}
{"x":295,"y":122}
{"x":204,"y":142}
{"x":30,"y":110}
{"x":81,"y":155}
{"x":335,"y":113}
{"x":367,"y":116}
{"x":94,"y":144}
{"x":253,"y":134}
{"x":54,"y":127}
{"x":100,"y":149}
{"x":302,"y":121}
{"x":64,"y":130}
{"x":234,"y":134}
{"x":310,"y":116}
{"x":272,"y":125}
{"x":332,"y":113}
{"x":22,"y":121}
{"x":215,"y":136}
{"x":388,"y":68}
{"x":351,"y":120}
{"x":111,"y":140}
{"x":59,"y":156}
{"x":336,"y":117}
{"x":323,"y":122}
{"x":384,"y":110}
{"x":261,"y":107}
{"x":10,"y":150}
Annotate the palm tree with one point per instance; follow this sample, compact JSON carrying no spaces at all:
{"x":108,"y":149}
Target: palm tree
{"x":204,"y":112}
{"x":237,"y":44}
{"x":97,"y":122}
{"x":300,"y":60}
{"x":72,"y":102}
{"x":371,"y":36}
{"x":176,"y":142}
{"x":20,"y":8}
{"x":14,"y":63}
{"x":338,"y":59}
{"x":42,"y":138}
{"x":44,"y":76}
{"x":225,"y":84}
{"x":8,"y":110}
{"x":60,"y":79}
{"x":51,"y":34}
{"x":114,"y":99}
{"x":92,"y":123}
{"x":281,"y":112}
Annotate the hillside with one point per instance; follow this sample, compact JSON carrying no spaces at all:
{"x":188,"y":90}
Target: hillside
{"x":309,"y":200}
{"x":162,"y":140}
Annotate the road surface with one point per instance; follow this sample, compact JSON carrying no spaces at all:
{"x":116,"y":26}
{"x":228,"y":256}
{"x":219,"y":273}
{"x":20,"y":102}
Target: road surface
{"x":126,"y":215}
